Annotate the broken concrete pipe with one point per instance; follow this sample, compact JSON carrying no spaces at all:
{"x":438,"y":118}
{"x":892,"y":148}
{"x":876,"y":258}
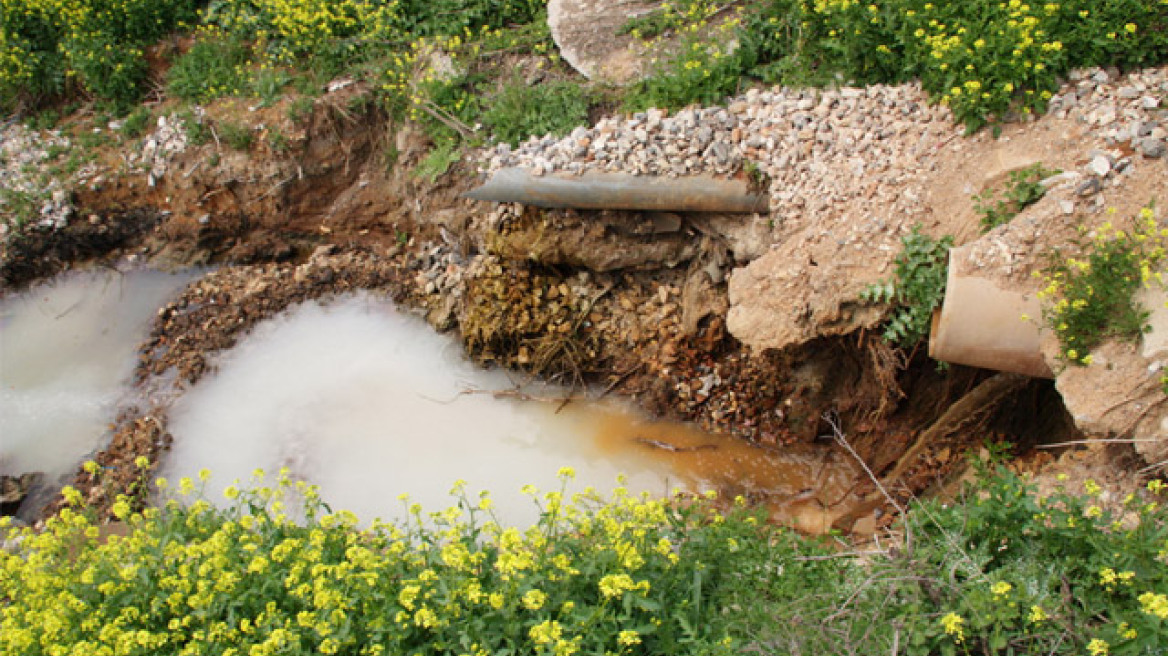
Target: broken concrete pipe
{"x":619,"y":191}
{"x":983,"y":324}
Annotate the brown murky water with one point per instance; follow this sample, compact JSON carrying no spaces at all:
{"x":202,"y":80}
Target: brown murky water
{"x":806,"y":486}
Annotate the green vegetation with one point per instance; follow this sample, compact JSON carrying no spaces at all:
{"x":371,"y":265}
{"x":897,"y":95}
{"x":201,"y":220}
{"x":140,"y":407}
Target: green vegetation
{"x":136,"y":123}
{"x":236,"y":135}
{"x":1001,"y":571}
{"x":984,"y":59}
{"x":439,"y":62}
{"x":917,"y":289}
{"x":999,"y":206}
{"x":521,"y":110}
{"x":215,"y":66}
{"x":1092,"y":297}
{"x":51,"y":48}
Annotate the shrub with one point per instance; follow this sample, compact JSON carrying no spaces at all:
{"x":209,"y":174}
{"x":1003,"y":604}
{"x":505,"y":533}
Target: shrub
{"x":1092,"y":297}
{"x":215,"y":66}
{"x":46,"y":44}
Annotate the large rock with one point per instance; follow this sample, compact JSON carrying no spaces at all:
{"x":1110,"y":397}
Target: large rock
{"x":587,"y":33}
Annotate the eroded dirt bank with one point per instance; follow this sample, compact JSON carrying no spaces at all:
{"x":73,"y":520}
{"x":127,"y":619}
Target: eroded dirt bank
{"x":633,"y":303}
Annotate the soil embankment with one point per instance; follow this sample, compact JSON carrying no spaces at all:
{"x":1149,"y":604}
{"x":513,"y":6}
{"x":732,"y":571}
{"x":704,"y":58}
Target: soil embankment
{"x":747,"y":324}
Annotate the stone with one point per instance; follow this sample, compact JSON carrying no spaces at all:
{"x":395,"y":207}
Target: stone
{"x":1152,"y":148}
{"x":1100,"y":165}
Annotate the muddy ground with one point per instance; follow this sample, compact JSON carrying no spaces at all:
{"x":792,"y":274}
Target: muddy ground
{"x":628,"y":303}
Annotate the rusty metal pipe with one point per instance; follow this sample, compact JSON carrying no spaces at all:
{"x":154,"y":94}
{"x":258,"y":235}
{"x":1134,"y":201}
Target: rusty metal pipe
{"x":620,"y":191}
{"x":981,"y":324}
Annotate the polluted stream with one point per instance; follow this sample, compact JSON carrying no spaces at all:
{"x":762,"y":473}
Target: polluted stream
{"x":370,"y":404}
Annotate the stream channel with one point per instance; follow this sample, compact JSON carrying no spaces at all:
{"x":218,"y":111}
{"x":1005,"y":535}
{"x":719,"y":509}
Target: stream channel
{"x":362,"y":399}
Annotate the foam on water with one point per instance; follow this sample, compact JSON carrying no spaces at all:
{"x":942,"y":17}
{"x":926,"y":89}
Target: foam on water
{"x":369,"y":403}
{"x":67,"y":349}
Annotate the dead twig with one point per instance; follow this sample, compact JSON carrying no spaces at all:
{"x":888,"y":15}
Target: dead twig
{"x":838,"y":433}
{"x":445,"y":118}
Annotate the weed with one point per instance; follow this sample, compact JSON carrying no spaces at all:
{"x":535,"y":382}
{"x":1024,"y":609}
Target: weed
{"x":195,"y":128}
{"x":999,"y":206}
{"x":703,"y":71}
{"x":236,"y":135}
{"x":46,"y":119}
{"x":300,"y":109}
{"x":92,"y":139}
{"x":55,"y":151}
{"x":21,"y":207}
{"x":1092,"y":297}
{"x":521,"y":110}
{"x":278,"y":141}
{"x":435,"y":164}
{"x":918,"y":288}
{"x":215,"y":66}
{"x":268,"y":82}
{"x":136,"y":123}
{"x":999,"y":570}
{"x":650,"y":25}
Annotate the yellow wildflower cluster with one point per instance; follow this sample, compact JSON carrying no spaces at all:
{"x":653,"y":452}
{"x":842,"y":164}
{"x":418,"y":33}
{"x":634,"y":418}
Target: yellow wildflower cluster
{"x":953,"y":624}
{"x":1155,"y":604}
{"x":46,"y":45}
{"x":1090,"y":297}
{"x":248,"y":579}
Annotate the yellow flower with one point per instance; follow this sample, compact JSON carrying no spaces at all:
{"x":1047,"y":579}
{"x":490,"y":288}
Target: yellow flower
{"x":533,"y":599}
{"x":1037,"y":614}
{"x":953,"y":623}
{"x":1001,"y":589}
{"x":628,"y":638}
{"x":1097,"y":647}
{"x":546,"y":632}
{"x":1154,"y":604}
{"x":141,"y":462}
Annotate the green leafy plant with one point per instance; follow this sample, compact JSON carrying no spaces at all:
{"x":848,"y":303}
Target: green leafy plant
{"x":918,"y":288}
{"x":236,"y":135}
{"x":622,"y":574}
{"x":299,"y":109}
{"x":278,"y":141}
{"x":195,"y":127}
{"x":1090,"y":298}
{"x":1022,"y":189}
{"x":50,"y":50}
{"x":521,"y":110}
{"x":998,"y":570}
{"x":215,"y":66}
{"x":136,"y":123}
{"x":268,"y":82}
{"x":437,"y":162}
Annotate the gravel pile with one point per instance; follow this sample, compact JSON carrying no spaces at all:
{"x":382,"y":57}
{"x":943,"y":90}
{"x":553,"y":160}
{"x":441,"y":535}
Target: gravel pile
{"x":168,"y":139}
{"x":819,"y":147}
{"x":825,"y":148}
{"x":1128,"y":110}
{"x":26,"y":183}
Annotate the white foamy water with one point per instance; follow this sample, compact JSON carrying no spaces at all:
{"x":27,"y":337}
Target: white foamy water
{"x":67,"y":350}
{"x":369,"y":403}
